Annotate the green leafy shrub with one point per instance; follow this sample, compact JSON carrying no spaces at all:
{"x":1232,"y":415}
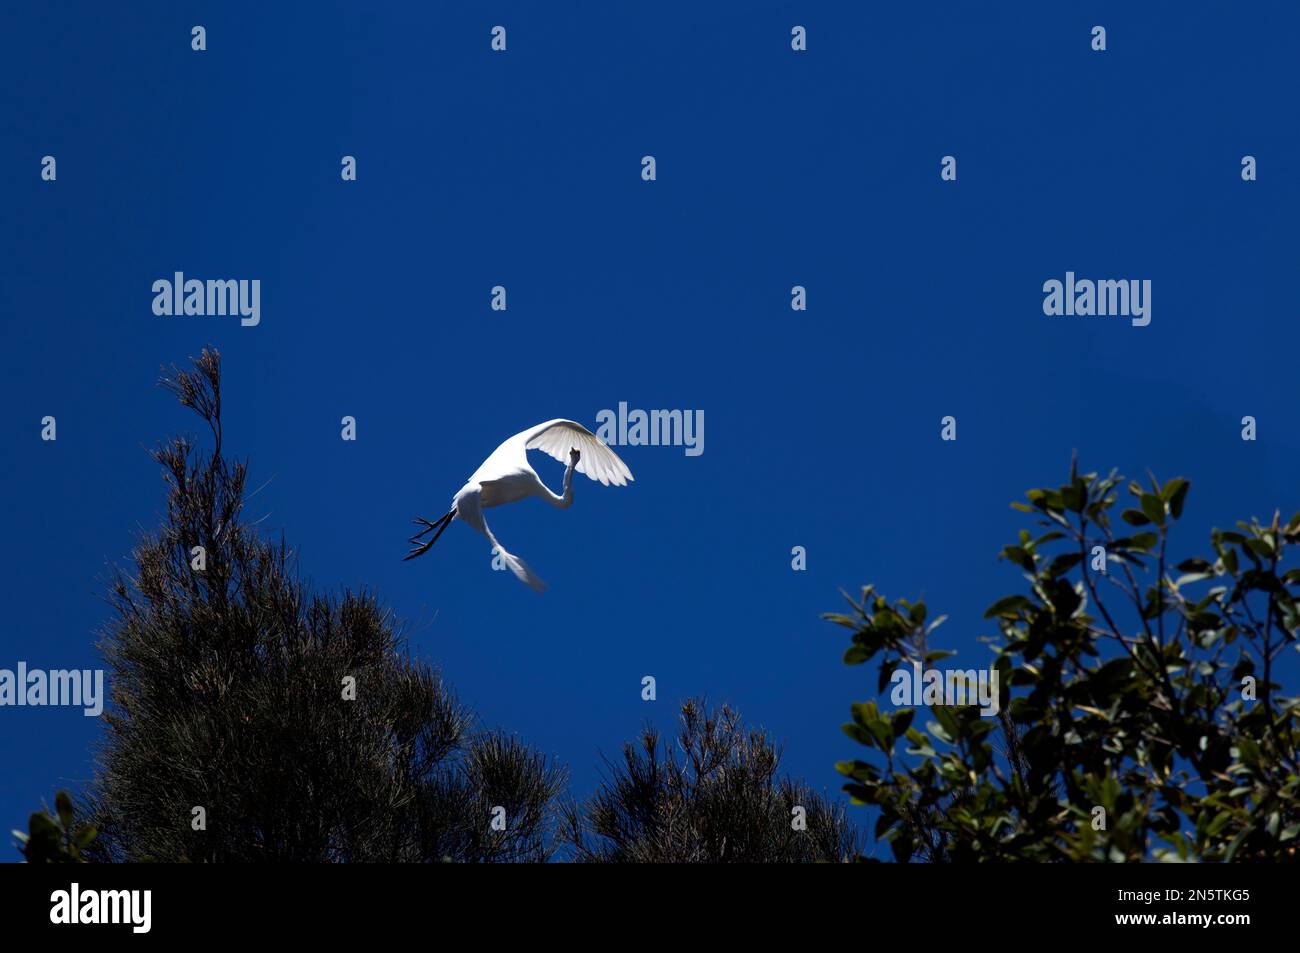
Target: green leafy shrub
{"x":1141,"y":716}
{"x":56,"y":838}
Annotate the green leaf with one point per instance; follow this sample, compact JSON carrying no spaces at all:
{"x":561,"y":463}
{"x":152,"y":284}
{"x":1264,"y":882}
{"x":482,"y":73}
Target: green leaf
{"x":856,"y":655}
{"x":63,"y":804}
{"x":857,"y":770}
{"x":1134,"y":518}
{"x":85,"y":835}
{"x":1218,"y":824}
{"x":41,"y":823}
{"x":867,"y":714}
{"x":1153,"y":508}
{"x":902,"y":720}
{"x":1020,"y":556}
{"x":1236,"y":845}
{"x":1260,"y":548}
{"x":1175,"y":494}
{"x":859,"y":734}
{"x":1248,"y":752}
{"x":864,"y":713}
{"x":948,"y":720}
{"x":859,"y":793}
{"x":1008,"y":607}
{"x":1064,"y":563}
{"x":1144,"y":541}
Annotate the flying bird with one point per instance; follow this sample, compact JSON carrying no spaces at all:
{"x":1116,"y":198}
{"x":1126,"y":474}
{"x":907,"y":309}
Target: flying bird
{"x":505,"y":477}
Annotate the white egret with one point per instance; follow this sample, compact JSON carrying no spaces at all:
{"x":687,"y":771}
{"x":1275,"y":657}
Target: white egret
{"x":505,"y":477}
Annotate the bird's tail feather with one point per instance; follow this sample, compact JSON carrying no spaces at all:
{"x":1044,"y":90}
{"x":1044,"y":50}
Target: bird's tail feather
{"x":523,"y":572}
{"x":469,"y":508}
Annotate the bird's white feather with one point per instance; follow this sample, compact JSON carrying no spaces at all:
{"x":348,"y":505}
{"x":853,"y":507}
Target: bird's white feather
{"x":556,"y":437}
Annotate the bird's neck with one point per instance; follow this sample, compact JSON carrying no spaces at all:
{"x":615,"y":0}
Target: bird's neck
{"x":568,"y":486}
{"x":556,"y":499}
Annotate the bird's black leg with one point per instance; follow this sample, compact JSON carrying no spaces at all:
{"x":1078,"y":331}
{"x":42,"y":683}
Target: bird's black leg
{"x":419,"y":549}
{"x":421,"y":521}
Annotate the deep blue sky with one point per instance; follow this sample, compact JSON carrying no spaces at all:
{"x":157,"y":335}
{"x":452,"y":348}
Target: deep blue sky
{"x":523,"y":169}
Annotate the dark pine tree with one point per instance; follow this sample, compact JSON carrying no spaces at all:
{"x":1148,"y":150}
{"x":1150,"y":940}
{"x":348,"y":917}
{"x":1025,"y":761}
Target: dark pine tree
{"x":229,"y":695}
{"x":716,"y":796}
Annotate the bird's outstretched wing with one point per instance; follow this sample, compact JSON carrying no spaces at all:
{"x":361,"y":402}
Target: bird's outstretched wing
{"x":556,"y":437}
